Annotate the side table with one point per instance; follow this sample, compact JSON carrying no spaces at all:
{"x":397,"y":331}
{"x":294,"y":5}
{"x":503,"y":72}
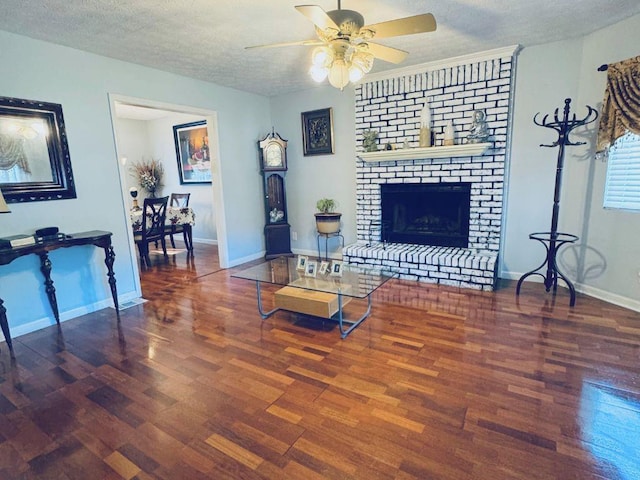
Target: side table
{"x":552,"y":242}
{"x":97,"y":238}
{"x":326,"y":237}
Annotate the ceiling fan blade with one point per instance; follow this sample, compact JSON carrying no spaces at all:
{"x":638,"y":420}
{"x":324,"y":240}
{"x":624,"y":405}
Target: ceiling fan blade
{"x":388,"y":54}
{"x":403,"y":26}
{"x":287,"y":44}
{"x":318,"y":16}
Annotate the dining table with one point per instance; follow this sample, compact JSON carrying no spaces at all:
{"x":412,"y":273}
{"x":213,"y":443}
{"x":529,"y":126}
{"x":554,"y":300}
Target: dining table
{"x":176,"y":216}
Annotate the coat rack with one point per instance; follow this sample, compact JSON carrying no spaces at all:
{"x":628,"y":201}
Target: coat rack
{"x":553,"y":239}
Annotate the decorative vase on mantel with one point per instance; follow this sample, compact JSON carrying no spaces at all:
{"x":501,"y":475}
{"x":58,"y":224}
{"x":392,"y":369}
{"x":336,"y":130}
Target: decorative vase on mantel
{"x":425,"y":126}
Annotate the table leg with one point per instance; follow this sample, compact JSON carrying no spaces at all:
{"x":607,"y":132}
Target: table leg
{"x":353,"y":323}
{"x":45,"y":268}
{"x":109,"y":258}
{"x":4,"y":323}
{"x":263,"y":314}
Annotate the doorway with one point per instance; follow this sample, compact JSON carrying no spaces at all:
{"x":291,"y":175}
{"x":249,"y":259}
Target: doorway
{"x":143,"y":115}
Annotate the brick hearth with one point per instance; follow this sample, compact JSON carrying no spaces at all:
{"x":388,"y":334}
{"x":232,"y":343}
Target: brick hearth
{"x":456,"y":267}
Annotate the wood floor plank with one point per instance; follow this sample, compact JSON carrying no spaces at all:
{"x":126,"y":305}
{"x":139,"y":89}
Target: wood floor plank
{"x":438,"y":383}
{"x":234,"y":451}
{"x":121,"y":464}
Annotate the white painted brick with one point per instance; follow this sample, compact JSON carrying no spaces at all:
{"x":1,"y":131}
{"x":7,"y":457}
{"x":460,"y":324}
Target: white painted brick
{"x":449,"y":100}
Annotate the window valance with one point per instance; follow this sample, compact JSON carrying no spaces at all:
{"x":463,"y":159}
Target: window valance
{"x":621,"y":106}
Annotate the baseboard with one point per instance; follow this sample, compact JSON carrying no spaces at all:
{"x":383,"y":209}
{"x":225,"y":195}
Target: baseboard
{"x":206,"y":241}
{"x":614,"y":298}
{"x":516,"y":276}
{"x":41,"y":323}
{"x":608,"y":297}
{"x":248,"y":258}
{"x":314,"y":253}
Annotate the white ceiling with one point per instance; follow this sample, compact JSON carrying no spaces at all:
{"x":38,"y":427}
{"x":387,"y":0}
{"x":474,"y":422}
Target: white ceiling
{"x":134,"y":112}
{"x":205,"y":39}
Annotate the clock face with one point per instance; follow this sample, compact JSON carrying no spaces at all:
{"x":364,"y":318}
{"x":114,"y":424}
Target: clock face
{"x":274,"y":155}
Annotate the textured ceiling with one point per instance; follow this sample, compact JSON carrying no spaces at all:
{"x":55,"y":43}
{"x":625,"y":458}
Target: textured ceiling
{"x":205,"y":39}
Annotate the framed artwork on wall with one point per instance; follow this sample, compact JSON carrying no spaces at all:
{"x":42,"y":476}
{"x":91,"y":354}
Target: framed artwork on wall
{"x":192,"y":152}
{"x":317,"y":132}
{"x":34,"y":155}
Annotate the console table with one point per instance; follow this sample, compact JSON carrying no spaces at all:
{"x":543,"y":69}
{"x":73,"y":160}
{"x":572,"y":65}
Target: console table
{"x":96,"y":237}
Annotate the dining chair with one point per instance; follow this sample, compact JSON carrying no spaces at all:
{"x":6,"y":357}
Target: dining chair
{"x":154,"y":214}
{"x":180,"y":200}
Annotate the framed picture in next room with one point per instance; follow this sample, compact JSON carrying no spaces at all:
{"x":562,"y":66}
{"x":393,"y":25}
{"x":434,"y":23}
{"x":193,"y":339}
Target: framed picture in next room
{"x":317,"y":132}
{"x":192,"y":151}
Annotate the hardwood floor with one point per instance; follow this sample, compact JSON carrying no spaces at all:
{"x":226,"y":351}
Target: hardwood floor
{"x":439,"y":383}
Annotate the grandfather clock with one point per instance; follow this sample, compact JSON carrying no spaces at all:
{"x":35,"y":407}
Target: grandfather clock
{"x":273,"y":165}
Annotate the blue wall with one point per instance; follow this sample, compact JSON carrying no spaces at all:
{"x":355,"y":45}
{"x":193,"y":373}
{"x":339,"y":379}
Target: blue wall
{"x":81,"y":83}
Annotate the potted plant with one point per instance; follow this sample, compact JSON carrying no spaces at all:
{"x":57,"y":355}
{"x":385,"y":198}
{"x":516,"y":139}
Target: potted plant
{"x":327,"y":220}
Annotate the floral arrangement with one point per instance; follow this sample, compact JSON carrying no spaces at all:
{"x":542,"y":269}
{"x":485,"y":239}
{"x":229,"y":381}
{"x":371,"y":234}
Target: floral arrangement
{"x":149,"y":174}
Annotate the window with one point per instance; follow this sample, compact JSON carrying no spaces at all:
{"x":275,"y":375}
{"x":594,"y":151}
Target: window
{"x":622,"y":187}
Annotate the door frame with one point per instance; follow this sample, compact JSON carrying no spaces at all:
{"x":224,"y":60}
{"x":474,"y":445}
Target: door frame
{"x":211,"y":117}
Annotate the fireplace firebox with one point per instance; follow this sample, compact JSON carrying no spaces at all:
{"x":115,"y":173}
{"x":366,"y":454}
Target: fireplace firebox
{"x":426,"y":214}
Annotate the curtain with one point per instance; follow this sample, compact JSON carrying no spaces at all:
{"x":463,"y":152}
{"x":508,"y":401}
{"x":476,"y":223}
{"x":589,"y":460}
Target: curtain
{"x":621,"y":106}
{"x":12,"y":153}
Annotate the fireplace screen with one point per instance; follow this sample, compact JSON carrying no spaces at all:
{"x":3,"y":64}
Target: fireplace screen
{"x":426,"y":214}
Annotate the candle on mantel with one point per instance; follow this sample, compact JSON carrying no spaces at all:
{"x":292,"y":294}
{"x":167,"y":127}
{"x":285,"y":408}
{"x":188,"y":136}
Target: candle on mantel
{"x":449,"y":134}
{"x":425,"y":126}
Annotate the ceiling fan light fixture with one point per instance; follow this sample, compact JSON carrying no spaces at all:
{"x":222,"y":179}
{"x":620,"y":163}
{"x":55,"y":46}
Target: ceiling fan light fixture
{"x":322,"y":56}
{"x":339,"y":74}
{"x":318,"y":74}
{"x":355,"y":73}
{"x":363,"y":60}
{"x":345,"y":52}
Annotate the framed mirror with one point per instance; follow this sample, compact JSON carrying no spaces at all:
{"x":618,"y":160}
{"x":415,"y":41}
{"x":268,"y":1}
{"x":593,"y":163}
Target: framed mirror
{"x":34,"y":155}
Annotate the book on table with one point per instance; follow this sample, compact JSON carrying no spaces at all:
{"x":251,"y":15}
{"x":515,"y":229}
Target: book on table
{"x":13,"y":241}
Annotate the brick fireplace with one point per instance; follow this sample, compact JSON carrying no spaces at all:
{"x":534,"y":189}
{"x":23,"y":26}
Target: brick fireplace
{"x":391,"y":106}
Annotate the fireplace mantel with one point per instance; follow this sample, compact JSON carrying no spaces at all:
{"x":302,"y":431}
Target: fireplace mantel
{"x":465,"y":150}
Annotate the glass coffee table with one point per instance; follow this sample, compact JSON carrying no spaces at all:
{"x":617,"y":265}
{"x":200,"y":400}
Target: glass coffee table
{"x":323,"y":295}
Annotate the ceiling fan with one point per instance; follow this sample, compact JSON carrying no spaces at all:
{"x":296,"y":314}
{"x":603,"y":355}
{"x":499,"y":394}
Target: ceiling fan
{"x":344,"y":51}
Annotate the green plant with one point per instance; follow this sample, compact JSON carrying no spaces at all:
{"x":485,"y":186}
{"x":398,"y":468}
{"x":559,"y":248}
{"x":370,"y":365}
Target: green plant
{"x":326,"y":205}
